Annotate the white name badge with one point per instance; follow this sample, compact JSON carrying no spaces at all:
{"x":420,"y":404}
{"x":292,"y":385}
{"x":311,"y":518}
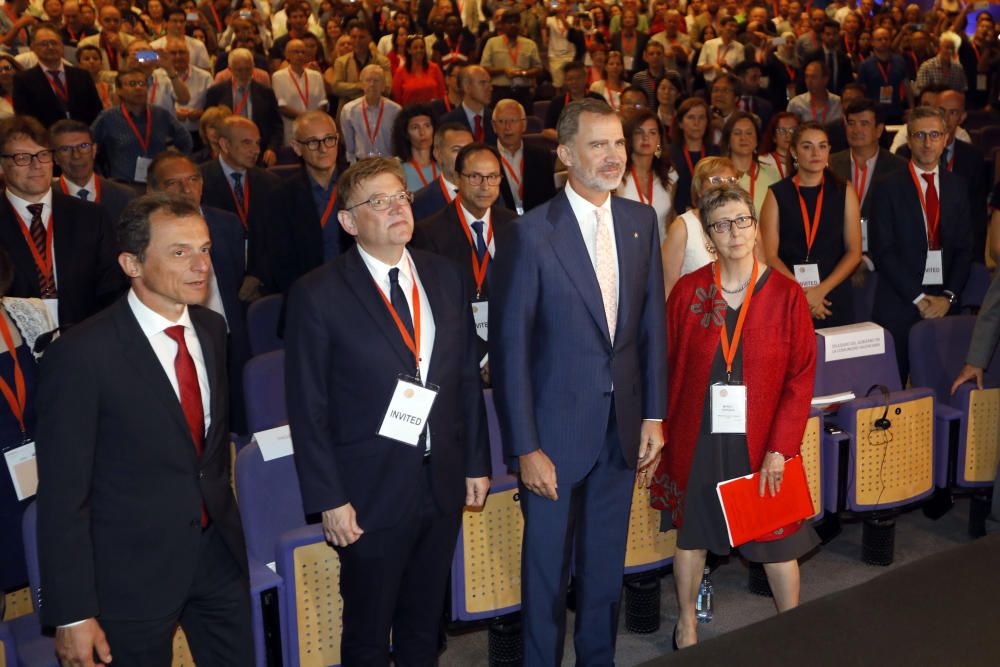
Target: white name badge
{"x":807,"y":275}
{"x":52,"y":305}
{"x":729,"y":408}
{"x":23,"y":469}
{"x":406,"y":416}
{"x":864,"y":234}
{"x":885,"y":94}
{"x":765,"y":82}
{"x":933,"y":269}
{"x":520,"y":210}
{"x":481,"y":315}
{"x":141,"y":168}
{"x":981,"y":82}
{"x":629,"y":61}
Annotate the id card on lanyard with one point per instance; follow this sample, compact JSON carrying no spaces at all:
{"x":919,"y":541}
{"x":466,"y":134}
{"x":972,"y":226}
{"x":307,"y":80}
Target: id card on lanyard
{"x":20,"y":458}
{"x":729,"y":399}
{"x":807,"y":274}
{"x":480,"y":306}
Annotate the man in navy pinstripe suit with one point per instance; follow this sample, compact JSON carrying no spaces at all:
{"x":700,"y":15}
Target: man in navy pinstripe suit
{"x":578,"y":356}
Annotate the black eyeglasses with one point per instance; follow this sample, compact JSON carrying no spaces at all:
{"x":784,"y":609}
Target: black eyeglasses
{"x":933,"y":135}
{"x":723,"y":226}
{"x":24,"y":159}
{"x":329,"y":141}
{"x":381,"y":202}
{"x":477,"y":179}
{"x":78,"y":148}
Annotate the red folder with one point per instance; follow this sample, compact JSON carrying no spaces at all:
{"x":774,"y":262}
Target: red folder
{"x":748,"y":516}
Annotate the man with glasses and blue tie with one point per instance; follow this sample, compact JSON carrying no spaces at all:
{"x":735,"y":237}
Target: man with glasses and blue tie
{"x":75,"y":153}
{"x":919,"y":235}
{"x":63,"y":249}
{"x":387,"y":415}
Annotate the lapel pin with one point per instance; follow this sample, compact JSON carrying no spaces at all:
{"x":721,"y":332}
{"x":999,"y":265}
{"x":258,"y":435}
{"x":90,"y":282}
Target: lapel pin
{"x":635,"y":235}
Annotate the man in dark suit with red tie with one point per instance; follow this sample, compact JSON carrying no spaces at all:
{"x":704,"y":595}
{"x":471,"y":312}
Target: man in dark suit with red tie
{"x":52,"y":90}
{"x":380,"y":322}
{"x":138,"y":529}
{"x":62,"y":249}
{"x":919,"y":236}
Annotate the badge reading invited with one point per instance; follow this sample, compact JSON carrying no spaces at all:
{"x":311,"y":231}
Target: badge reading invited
{"x":406,"y":416}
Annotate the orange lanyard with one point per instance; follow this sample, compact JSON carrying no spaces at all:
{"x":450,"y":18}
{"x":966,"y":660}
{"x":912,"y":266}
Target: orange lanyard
{"x":97,"y":188}
{"x":243,"y":208}
{"x":215,"y":15}
{"x":810,"y":233}
{"x":812,"y":106}
{"x":512,"y":53}
{"x":847,"y":47}
{"x":860,"y":178}
{"x":152,"y":91}
{"x":447,"y":197}
{"x":884,"y":71}
{"x":420,"y":172}
{"x":112,"y":53}
{"x":11,"y":12}
{"x":305,"y":97}
{"x":44,"y":264}
{"x":18,"y":402}
{"x":642,"y":199}
{"x":239,"y":105}
{"x":517,"y":176}
{"x":932,"y":225}
{"x":791,"y":74}
{"x":975,"y":49}
{"x":628,"y":47}
{"x":329,"y":208}
{"x":478,"y":270}
{"x":729,"y":350}
{"x":454,"y":49}
{"x":447,"y":103}
{"x":135,"y":130}
{"x":378,"y":122}
{"x":777,"y":161}
{"x":412,"y":342}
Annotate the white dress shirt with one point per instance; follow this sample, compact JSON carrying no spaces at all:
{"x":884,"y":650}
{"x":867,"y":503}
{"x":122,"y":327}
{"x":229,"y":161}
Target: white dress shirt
{"x":196,"y":50}
{"x":311,"y":85}
{"x":198,"y":81}
{"x":923,"y":193}
{"x":162,"y":93}
{"x":869,"y":173}
{"x":21,"y":206}
{"x":513,"y":166}
{"x":73,"y":190}
{"x":469,"y":219}
{"x":153,"y":326}
{"x":587,"y":219}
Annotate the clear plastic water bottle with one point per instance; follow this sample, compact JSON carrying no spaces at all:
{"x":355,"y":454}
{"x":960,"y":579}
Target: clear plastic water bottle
{"x":703,"y":605}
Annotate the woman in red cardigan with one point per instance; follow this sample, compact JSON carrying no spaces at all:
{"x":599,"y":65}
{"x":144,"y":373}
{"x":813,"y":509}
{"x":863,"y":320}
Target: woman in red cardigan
{"x":735,"y":322}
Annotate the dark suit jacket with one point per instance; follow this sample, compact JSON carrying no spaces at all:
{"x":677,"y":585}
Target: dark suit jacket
{"x":845,"y":71}
{"x":641,"y":39}
{"x":457,"y":115}
{"x":897,"y":242}
{"x":295,"y":245}
{"x":539,"y":183}
{"x":114,"y":196}
{"x":88,"y":277}
{"x":121,"y":485}
{"x":263,"y":110}
{"x":218,"y":193}
{"x":760,"y":106}
{"x":552,"y":362}
{"x":343,"y":354}
{"x":887,"y":163}
{"x":33,"y":96}
{"x":428,"y":200}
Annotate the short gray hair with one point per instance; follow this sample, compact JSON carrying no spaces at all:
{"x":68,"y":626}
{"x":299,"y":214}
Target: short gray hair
{"x":569,"y":120}
{"x":919,"y":113}
{"x":716,"y":198}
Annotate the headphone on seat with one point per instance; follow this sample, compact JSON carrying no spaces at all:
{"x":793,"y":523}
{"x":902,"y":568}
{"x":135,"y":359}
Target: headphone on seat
{"x":882,"y":423}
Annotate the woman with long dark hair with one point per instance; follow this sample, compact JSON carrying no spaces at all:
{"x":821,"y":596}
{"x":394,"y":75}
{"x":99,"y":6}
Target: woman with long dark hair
{"x":690,"y":142}
{"x":775,"y":146}
{"x":412,"y":141}
{"x":811,"y":228}
{"x":649,"y":176}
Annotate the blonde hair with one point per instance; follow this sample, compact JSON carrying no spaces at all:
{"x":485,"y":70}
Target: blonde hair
{"x":706,"y":167}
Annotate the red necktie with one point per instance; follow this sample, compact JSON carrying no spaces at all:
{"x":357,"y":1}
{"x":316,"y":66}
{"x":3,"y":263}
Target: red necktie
{"x":479,"y":134}
{"x":46,"y":283}
{"x":57,"y":85}
{"x":933,"y":214}
{"x":187,"y":382}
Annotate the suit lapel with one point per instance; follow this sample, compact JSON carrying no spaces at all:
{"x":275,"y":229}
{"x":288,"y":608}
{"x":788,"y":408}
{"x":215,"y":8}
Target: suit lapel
{"x":437,"y":302}
{"x":626,"y":240}
{"x":12,"y":238}
{"x":62,"y":241}
{"x":568,"y":244}
{"x":370,"y":296}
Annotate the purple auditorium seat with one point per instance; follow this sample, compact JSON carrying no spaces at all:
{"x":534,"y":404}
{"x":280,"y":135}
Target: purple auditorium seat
{"x":33,"y":648}
{"x":856,"y":374}
{"x":264,"y":391}
{"x":262,"y":324}
{"x":975,"y":288}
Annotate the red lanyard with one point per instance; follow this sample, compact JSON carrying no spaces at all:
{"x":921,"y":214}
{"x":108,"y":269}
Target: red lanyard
{"x":112,"y":53}
{"x":378,"y":123}
{"x":135,"y":130}
{"x":512,"y":54}
{"x":239,"y":105}
{"x":629,"y":47}
{"x":152,"y":91}
{"x":412,"y":342}
{"x":777,"y":162}
{"x":478,"y":270}
{"x":517,"y":176}
{"x":932,"y":225}
{"x":975,"y":49}
{"x":44,"y":264}
{"x":791,"y":73}
{"x":860,"y":177}
{"x":305,"y":97}
{"x":884,"y":71}
{"x":610,"y":96}
{"x":243,"y":208}
{"x":729,"y":351}
{"x":18,"y":402}
{"x":97,"y":188}
{"x":447,"y":196}
{"x":812,"y":106}
{"x":329,"y":208}
{"x":420,"y":172}
{"x":642,"y":199}
{"x":687,"y":158}
{"x":9,"y":8}
{"x":447,"y":103}
{"x":810,"y":232}
{"x":847,"y":47}
{"x":215,"y":15}
{"x":454,"y":49}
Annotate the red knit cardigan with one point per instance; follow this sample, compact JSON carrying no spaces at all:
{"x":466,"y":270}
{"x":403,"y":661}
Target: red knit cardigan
{"x":779,"y":362}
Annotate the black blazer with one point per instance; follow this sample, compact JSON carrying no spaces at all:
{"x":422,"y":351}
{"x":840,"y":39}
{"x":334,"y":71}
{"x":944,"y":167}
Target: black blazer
{"x":114,"y":196}
{"x":641,"y":40}
{"x":296,"y":245}
{"x":887,"y":163}
{"x":121,"y":485}
{"x":457,"y":115}
{"x":428,"y":200}
{"x":33,"y":96}
{"x":897,"y":242}
{"x":539,"y":182}
{"x":760,"y":106}
{"x":263,"y":110}
{"x":343,"y":354}
{"x":88,"y":277}
{"x":218,"y":193}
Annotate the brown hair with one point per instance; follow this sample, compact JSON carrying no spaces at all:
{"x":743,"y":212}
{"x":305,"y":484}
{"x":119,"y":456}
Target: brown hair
{"x":362,"y":170}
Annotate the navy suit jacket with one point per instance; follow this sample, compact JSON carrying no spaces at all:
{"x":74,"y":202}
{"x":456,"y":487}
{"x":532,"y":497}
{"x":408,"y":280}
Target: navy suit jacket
{"x":539,"y":184}
{"x":343,"y":354}
{"x":263,"y":111}
{"x":428,"y":200}
{"x":897,"y":242}
{"x":457,"y":115}
{"x":552,"y":362}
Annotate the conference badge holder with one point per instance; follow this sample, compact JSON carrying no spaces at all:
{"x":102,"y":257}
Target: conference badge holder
{"x":807,"y":275}
{"x":406,"y":416}
{"x":23,"y":469}
{"x":481,"y":316}
{"x":934,"y":268}
{"x":729,"y":408}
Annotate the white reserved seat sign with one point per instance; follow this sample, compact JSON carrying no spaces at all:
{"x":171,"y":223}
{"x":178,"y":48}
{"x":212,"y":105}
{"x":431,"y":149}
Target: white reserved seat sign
{"x":274,"y":443}
{"x":865,"y":339}
{"x":409,"y":408}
